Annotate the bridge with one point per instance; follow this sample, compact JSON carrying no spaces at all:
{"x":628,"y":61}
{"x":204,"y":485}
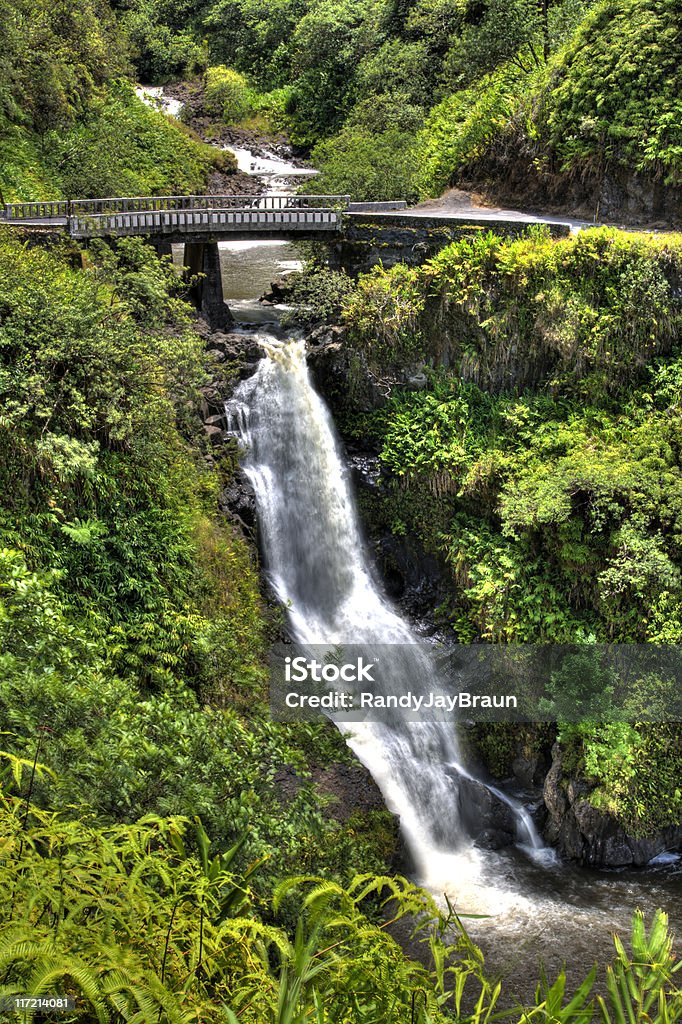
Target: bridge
{"x":359,"y":235}
{"x":186,"y":218}
{"x":198,"y":222}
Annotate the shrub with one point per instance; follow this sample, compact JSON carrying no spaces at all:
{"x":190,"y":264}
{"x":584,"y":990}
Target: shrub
{"x":227,"y":94}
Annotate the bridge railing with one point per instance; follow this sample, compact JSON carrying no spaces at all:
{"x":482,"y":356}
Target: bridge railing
{"x":36,"y":211}
{"x":137,"y":222}
{"x":77,"y":208}
{"x":151,"y":204}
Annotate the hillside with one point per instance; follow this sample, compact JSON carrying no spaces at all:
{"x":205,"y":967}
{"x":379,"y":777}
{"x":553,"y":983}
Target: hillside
{"x":571,"y":104}
{"x":171,"y":851}
{"x":70,"y":122}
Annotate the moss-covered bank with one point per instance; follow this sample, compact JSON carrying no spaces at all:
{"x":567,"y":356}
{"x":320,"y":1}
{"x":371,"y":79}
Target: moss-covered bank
{"x":523,"y":400}
{"x":134,"y":634}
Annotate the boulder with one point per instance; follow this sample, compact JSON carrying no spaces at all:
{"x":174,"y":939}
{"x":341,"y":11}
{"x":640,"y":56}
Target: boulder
{"x":486,"y":817}
{"x":280,"y":290}
{"x":493,"y":839}
{"x":212,"y":402}
{"x":214,"y":435}
{"x":592,"y":835}
{"x":217,"y":420}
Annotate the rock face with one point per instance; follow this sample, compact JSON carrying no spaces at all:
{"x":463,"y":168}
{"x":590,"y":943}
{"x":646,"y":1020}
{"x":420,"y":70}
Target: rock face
{"x":390,"y":239}
{"x":235,"y":355}
{"x":238,"y":500}
{"x":512,"y":174}
{"x":487,"y":819}
{"x":592,"y":836}
{"x":343,"y":377}
{"x":412,"y":577}
{"x":350,"y":792}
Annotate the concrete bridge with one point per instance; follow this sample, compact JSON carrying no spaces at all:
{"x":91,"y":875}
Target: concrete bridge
{"x":358,"y":235}
{"x":186,"y":218}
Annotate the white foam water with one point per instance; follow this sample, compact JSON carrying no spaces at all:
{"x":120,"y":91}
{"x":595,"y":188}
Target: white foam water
{"x":315,"y":557}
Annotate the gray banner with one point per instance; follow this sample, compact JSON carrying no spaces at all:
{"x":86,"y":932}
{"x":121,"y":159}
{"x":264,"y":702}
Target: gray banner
{"x":480,"y":683}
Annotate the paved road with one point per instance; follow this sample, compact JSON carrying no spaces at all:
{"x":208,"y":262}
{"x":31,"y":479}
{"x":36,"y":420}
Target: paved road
{"x":459,"y":206}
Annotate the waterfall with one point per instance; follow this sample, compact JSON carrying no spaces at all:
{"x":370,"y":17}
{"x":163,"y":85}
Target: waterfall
{"x":315,"y":558}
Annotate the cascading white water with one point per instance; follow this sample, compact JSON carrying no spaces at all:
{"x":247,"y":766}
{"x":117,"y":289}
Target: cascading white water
{"x":315,"y":558}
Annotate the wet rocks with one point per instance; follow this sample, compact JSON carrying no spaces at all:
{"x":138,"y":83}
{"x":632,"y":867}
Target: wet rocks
{"x":591,"y":835}
{"x":235,"y":355}
{"x":341,"y":375}
{"x":493,"y":839}
{"x":488,"y":819}
{"x":528,"y":767}
{"x":211,"y":402}
{"x":280,"y":290}
{"x":216,"y":354}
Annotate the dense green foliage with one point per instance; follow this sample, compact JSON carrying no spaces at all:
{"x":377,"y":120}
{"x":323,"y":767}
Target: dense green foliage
{"x":395,"y":99}
{"x":145,"y":923}
{"x":137,"y":926}
{"x":122,"y":147}
{"x":544,"y":467}
{"x":582,"y":315}
{"x":132,"y":632}
{"x":227,"y":94}
{"x":162,"y":43}
{"x":316,"y":295}
{"x":614,"y":94}
{"x":404,"y":98}
{"x":603,"y":95}
{"x":70,"y":123}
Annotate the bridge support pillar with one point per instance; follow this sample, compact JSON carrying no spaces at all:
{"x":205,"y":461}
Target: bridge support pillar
{"x":163,"y":247}
{"x":203,"y":258}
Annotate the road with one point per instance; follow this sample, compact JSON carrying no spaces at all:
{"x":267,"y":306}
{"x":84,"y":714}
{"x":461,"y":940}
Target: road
{"x":460,"y":205}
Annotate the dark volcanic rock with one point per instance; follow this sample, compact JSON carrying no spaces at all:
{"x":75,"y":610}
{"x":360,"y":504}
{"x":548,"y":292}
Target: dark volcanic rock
{"x":212,"y":402}
{"x":214,"y":435}
{"x":592,"y":836}
{"x":280,"y":289}
{"x":217,"y":354}
{"x":493,"y":839}
{"x":484,"y":814}
{"x":238,"y":500}
{"x":216,"y":421}
{"x":352,"y":788}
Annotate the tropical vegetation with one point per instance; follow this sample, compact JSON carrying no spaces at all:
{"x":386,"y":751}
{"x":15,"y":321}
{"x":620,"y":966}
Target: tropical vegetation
{"x":167,"y":851}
